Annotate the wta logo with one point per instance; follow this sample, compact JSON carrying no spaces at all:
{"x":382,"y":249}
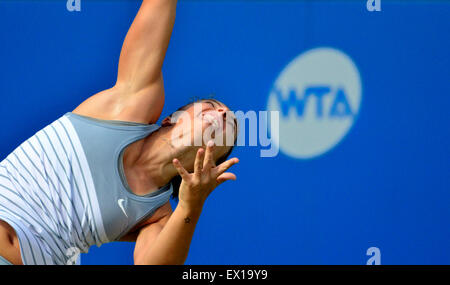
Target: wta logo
{"x":318,"y":96}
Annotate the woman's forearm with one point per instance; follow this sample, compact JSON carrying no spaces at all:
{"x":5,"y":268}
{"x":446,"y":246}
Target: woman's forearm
{"x":172,"y":244}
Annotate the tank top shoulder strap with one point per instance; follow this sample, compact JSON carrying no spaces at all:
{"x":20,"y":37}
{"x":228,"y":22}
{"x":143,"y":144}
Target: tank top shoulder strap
{"x":114,"y":124}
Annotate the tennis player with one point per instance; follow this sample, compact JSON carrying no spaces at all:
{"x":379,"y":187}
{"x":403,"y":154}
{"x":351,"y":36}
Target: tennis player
{"x":105,"y":171}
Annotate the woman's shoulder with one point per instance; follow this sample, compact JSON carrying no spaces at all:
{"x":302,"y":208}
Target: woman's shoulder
{"x":119,"y":104}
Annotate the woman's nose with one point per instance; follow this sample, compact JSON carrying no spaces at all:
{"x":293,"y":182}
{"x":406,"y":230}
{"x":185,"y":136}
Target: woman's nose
{"x":222,"y":112}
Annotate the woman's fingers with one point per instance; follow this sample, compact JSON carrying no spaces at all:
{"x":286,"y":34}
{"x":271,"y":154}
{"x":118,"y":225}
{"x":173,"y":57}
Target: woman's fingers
{"x":198,"y":166}
{"x":225,"y":177}
{"x":209,"y":159}
{"x":204,"y":161}
{"x":225,"y":166}
{"x":183,"y":172}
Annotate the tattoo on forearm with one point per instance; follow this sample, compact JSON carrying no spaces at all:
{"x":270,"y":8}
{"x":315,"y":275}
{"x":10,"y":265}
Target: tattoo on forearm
{"x":187,"y":220}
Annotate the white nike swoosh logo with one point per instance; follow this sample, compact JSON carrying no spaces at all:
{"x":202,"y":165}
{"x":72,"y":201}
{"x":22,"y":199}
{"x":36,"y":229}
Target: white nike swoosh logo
{"x":120,"y":202}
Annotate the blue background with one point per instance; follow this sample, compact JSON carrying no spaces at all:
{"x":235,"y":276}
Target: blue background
{"x":385,"y":185}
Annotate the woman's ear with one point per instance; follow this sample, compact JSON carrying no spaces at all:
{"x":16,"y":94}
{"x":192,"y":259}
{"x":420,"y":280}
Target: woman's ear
{"x":166,"y":122}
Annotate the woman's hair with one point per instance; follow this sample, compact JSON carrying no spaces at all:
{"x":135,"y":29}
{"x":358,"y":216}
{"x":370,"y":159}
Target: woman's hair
{"x":176,"y":181}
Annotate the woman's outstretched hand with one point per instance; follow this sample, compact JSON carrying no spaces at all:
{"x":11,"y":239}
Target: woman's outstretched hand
{"x":196,"y":187}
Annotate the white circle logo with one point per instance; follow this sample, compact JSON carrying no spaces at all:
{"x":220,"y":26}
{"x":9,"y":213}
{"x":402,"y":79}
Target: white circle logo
{"x":318,"y":95}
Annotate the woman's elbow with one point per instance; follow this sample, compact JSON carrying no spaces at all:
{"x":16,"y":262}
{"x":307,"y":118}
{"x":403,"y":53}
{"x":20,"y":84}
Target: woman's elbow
{"x":153,"y":260}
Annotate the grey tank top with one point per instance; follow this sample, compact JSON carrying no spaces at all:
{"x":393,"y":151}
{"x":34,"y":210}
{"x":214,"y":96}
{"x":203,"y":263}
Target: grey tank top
{"x":104,"y":143}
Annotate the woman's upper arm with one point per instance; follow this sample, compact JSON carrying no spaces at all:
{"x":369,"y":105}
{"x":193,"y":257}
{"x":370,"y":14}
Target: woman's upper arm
{"x":138,"y":95}
{"x":149,"y":231}
{"x":145,"y":45}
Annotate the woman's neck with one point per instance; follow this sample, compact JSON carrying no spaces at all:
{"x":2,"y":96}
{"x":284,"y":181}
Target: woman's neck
{"x":149,"y":162}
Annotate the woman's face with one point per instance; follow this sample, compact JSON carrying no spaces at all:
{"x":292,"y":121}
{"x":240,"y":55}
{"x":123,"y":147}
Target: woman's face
{"x":207,"y":120}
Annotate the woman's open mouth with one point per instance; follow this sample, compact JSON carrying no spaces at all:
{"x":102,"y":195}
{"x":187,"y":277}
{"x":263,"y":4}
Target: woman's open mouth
{"x":212,"y":120}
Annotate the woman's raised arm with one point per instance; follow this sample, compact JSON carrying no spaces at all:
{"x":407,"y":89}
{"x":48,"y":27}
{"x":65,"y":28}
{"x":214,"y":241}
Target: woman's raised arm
{"x":146,"y":44}
{"x":138,"y":94}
